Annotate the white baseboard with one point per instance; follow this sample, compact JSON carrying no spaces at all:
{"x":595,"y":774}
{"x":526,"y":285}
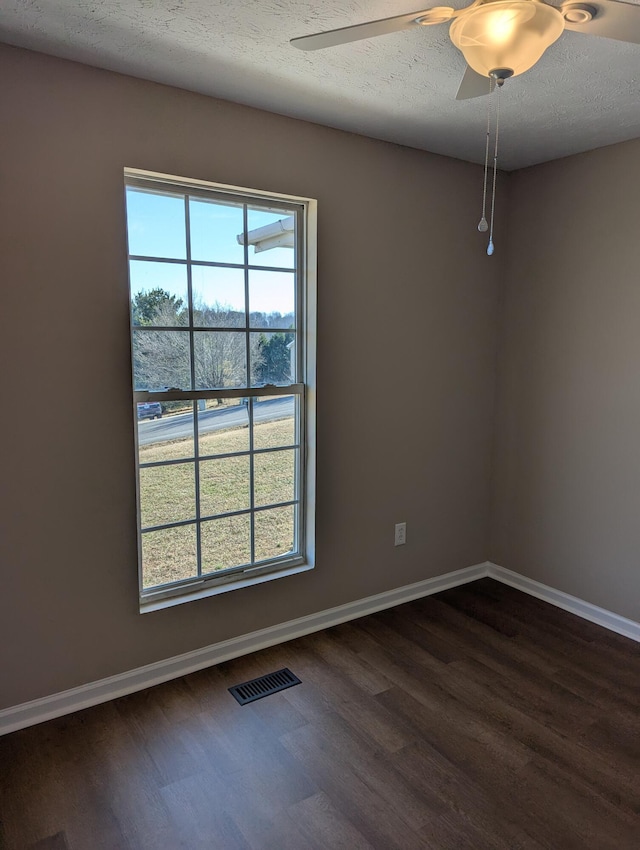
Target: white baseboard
{"x":38,"y":710}
{"x":611,"y":621}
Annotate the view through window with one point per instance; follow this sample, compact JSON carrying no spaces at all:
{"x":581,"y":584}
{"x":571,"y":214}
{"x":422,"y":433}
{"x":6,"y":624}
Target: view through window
{"x":218,"y":291}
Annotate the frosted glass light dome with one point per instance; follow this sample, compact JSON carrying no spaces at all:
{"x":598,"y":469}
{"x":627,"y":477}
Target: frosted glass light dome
{"x":506,"y":34}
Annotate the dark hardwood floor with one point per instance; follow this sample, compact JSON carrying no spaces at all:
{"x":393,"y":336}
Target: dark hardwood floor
{"x":477,"y":719}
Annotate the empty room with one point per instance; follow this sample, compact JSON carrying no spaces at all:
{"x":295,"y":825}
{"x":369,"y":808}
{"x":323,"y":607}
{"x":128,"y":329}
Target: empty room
{"x":320,"y":471}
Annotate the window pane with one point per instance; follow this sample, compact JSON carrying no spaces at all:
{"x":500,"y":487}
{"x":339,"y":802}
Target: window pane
{"x":215,"y":228}
{"x":223,"y":427}
{"x":218,"y":297}
{"x":156,"y":224}
{"x":170,"y":436}
{"x":168,"y":555}
{"x":220,"y":359}
{"x":167,"y":494}
{"x":273,"y":421}
{"x":271,"y":238}
{"x":159,"y":294}
{"x":225,"y":542}
{"x":273,"y":358}
{"x":214,"y":293}
{"x":161,"y":359}
{"x":274,"y":532}
{"x":273,"y":294}
{"x":274,"y":477}
{"x":224,"y":485}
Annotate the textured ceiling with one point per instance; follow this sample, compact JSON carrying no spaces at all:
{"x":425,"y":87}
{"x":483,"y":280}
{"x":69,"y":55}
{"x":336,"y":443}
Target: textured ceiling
{"x":584,"y":92}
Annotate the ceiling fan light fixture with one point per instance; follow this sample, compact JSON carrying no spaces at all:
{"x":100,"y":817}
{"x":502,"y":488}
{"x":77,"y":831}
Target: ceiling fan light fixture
{"x":506,"y":34}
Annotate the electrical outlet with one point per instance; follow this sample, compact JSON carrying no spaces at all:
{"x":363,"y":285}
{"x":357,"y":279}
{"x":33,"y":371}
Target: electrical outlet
{"x":401,"y":534}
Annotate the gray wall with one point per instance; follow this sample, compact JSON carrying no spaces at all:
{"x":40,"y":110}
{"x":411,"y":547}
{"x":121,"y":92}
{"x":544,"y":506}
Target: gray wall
{"x":567,"y":456}
{"x":407,"y":324}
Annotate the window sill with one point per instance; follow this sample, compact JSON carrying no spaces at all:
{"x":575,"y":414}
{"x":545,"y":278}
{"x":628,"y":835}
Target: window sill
{"x":148,"y":605}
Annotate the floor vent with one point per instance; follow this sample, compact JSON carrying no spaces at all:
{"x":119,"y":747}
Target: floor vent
{"x":264,"y":686}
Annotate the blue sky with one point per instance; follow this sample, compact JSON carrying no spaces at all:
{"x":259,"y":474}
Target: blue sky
{"x":156,"y":228}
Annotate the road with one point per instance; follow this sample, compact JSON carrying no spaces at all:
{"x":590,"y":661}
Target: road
{"x":181,"y":426}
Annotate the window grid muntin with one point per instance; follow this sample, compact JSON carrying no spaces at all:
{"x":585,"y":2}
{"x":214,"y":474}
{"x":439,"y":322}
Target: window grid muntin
{"x":215,"y":264}
{"x":247,"y":341}
{"x":199,"y":518}
{"x":208,"y":517}
{"x":190,"y":585}
{"x":174,"y":394}
{"x":222,"y":456}
{"x":192,"y":354}
{"x":293,"y":557}
{"x":209,"y":329}
{"x":167,"y":185}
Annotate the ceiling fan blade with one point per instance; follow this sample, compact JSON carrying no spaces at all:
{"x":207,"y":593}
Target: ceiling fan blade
{"x":344,"y":35}
{"x":474,"y":85}
{"x":613,"y":19}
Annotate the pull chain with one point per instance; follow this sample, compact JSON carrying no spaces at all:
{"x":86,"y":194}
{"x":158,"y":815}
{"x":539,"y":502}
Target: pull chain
{"x":496,"y":81}
{"x":490,"y":247}
{"x":482,"y":224}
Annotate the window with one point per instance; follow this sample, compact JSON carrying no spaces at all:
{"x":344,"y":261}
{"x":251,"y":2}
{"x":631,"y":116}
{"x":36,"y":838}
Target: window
{"x":222,"y":320}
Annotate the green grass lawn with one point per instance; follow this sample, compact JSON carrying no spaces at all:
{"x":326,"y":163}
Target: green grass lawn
{"x":167,"y":494}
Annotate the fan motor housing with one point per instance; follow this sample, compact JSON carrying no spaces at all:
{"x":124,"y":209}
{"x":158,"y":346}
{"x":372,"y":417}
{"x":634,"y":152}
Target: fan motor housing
{"x":578,"y":13}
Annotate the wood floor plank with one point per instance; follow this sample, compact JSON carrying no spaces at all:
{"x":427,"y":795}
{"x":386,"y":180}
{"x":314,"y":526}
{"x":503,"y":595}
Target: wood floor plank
{"x":613,"y":781}
{"x":446,"y":621}
{"x":325,"y":826}
{"x":53,"y":842}
{"x":476,"y":719}
{"x":340,"y":659}
{"x":576,"y":812}
{"x":198,"y":818}
{"x":470,"y":813}
{"x":352,"y":793}
{"x":344,"y":746}
{"x":284,"y":832}
{"x":565,"y":634}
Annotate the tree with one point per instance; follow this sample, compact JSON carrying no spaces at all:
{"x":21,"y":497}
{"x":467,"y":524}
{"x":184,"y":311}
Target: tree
{"x":160,"y":358}
{"x":274,"y":363}
{"x":220,"y":359}
{"x":148,"y":307}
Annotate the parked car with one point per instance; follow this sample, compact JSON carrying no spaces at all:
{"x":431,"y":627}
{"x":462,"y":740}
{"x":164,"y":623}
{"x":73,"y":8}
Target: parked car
{"x":149,"y":410}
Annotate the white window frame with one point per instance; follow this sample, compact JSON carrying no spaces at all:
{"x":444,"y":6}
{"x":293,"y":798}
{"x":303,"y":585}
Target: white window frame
{"x":304,"y":389}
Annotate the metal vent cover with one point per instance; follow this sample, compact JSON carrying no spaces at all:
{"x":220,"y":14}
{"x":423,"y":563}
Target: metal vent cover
{"x":264,"y":686}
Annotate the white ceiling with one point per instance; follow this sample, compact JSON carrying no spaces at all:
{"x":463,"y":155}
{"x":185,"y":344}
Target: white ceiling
{"x":584,"y":93}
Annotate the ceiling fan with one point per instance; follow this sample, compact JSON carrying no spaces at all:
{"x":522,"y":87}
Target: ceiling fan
{"x":498,"y":38}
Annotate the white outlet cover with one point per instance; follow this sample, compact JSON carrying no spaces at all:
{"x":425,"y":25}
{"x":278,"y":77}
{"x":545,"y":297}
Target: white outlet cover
{"x":400,"y":534}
